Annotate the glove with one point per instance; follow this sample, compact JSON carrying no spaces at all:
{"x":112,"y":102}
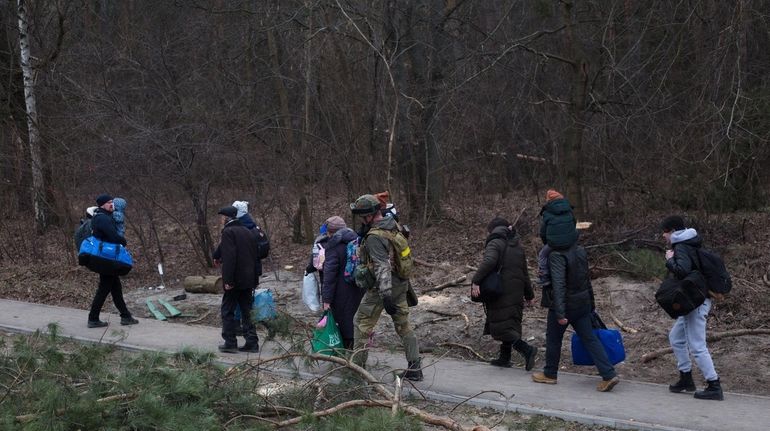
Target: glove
{"x":390,"y":307}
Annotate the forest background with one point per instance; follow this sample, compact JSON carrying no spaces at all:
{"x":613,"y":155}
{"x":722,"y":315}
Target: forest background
{"x":462,"y":109}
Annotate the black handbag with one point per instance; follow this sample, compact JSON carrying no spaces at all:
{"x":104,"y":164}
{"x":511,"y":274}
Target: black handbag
{"x":491,"y":287}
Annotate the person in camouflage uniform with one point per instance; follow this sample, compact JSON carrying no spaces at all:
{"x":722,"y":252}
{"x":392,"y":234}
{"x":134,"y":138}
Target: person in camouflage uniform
{"x":386,"y":290}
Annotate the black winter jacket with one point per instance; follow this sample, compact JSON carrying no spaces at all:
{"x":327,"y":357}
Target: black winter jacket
{"x":239,"y":254}
{"x":104,"y":228}
{"x":505,"y":313}
{"x":571,"y":293}
{"x":685,"y":258}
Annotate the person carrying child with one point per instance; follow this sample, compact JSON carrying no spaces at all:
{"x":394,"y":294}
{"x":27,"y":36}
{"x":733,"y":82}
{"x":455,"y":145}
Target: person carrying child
{"x":557,"y":230}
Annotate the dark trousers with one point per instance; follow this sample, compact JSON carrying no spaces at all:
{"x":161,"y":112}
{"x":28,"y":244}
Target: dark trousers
{"x":108,"y":285}
{"x":233,"y":298}
{"x":582,"y":326}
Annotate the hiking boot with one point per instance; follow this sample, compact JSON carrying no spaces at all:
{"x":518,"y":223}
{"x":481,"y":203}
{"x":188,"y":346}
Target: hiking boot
{"x":97,"y":324}
{"x":528,"y":352}
{"x":224,"y":348}
{"x":685,"y":383}
{"x":542,"y":378}
{"x":504,"y":360}
{"x":713,"y":391}
{"x":607,"y":385}
{"x":250,"y":348}
{"x":413,"y":372}
{"x":128,"y":321}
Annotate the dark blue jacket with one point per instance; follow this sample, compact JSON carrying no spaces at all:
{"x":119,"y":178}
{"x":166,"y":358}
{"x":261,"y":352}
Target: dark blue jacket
{"x":344,"y":297}
{"x":571,"y":290}
{"x":104,"y":228}
{"x":557,"y":228}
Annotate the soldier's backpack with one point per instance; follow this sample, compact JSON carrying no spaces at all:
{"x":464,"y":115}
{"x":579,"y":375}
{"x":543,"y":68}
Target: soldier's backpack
{"x":351,"y":260}
{"x":715,"y":272}
{"x":403,"y":262}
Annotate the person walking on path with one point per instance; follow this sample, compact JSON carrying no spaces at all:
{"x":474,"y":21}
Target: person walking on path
{"x":688,"y":335}
{"x":503,"y":252}
{"x":385,"y":282}
{"x":557,"y":231}
{"x":238,"y":250}
{"x":103,"y":228}
{"x":570,"y":300}
{"x":340,"y":296}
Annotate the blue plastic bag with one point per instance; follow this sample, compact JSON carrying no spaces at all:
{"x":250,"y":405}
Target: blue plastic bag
{"x":612,"y":342}
{"x":264,"y":306}
{"x":104,"y":257}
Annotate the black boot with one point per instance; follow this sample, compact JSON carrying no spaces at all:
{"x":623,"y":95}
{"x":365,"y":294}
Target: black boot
{"x":528,"y":352}
{"x":713,"y":391}
{"x":504,"y":360}
{"x":414,"y":371}
{"x":685,"y":383}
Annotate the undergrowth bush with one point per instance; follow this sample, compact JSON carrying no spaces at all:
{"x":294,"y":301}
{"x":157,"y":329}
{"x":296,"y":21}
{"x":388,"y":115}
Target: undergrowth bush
{"x":49,"y":384}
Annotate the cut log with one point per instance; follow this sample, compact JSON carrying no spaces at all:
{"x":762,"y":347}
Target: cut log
{"x":203,"y":284}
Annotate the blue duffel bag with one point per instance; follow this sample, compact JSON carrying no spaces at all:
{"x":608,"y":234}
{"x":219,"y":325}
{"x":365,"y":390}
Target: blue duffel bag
{"x":611,"y":340}
{"x":104,"y":257}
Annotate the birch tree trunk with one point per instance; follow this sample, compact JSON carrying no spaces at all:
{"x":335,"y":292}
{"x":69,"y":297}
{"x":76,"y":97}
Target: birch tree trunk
{"x":36,"y":159}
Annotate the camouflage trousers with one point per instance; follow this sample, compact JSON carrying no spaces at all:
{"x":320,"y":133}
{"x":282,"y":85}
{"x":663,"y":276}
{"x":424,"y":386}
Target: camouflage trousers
{"x":366,"y":319}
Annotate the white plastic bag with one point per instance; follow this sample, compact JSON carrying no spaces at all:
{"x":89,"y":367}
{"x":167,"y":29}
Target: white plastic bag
{"x":310,"y":292}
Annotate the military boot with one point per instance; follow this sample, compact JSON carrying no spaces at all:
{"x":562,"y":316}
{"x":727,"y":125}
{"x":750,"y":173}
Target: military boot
{"x":414,"y":371}
{"x":713,"y":391}
{"x":504,"y":360}
{"x":685,"y":383}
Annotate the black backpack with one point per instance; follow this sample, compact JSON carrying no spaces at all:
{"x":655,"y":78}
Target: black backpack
{"x":263,"y":243}
{"x":714,"y":271}
{"x":82,"y":232}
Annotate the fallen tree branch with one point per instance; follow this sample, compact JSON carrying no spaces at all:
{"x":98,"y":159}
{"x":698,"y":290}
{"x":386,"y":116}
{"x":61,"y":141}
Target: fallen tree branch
{"x":463,"y":346}
{"x":463,"y":315}
{"x":647,"y":357}
{"x":205,"y":315}
{"x":443,"y":286}
{"x":620,"y":324}
{"x":427,"y":264}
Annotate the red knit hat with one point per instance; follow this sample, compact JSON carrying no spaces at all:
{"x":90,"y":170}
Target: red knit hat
{"x":552,"y":195}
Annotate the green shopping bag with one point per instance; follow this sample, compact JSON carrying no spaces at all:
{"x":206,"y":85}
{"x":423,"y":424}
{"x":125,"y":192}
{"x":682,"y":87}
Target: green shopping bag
{"x":327,"y":340}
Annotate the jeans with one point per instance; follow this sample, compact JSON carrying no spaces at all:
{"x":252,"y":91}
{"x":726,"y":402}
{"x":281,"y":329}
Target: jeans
{"x":554,"y":334}
{"x":233,"y":298}
{"x":688,"y":335}
{"x":108,"y":285}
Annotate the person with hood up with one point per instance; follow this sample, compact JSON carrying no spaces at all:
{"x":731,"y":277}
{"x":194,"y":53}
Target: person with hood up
{"x":338,"y":295}
{"x":504,"y":314}
{"x":119,"y":215}
{"x":688,"y":335}
{"x":557,"y":231}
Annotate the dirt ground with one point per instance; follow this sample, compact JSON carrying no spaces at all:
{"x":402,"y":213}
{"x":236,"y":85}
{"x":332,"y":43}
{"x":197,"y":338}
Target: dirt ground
{"x":447,"y":316}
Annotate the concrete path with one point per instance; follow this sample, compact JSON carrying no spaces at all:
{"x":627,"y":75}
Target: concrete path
{"x":631,"y":405}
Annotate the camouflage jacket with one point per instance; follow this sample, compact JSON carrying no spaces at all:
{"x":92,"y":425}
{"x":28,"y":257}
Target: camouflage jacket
{"x":376,"y":252}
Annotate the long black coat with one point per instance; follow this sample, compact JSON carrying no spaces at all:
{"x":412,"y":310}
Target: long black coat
{"x":504,"y":314}
{"x":239,"y":254}
{"x":344,"y":297}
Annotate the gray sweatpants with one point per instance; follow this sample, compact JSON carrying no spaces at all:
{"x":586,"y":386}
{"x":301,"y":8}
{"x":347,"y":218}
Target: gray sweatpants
{"x":688,"y":335}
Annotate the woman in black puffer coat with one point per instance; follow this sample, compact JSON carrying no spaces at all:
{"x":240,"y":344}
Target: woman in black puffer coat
{"x":505,"y":313}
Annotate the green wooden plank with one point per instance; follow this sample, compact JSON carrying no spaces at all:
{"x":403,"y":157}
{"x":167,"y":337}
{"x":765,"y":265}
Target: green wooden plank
{"x":173,"y":311}
{"x":155,"y":312}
